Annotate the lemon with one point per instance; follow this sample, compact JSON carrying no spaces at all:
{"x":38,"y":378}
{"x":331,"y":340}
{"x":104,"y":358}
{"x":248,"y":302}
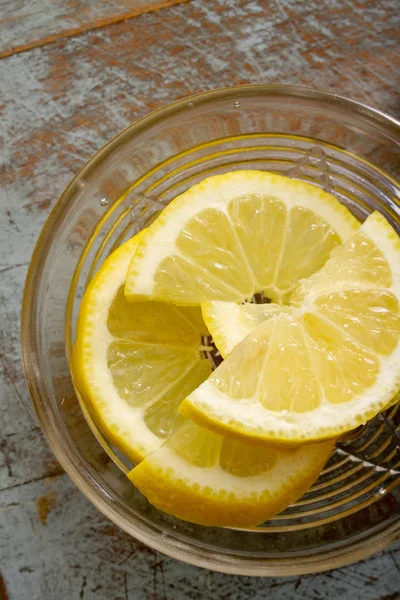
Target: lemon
{"x":235,"y":235}
{"x":205,"y":478}
{"x":325,"y":367}
{"x":133,"y":364}
{"x":229,"y":323}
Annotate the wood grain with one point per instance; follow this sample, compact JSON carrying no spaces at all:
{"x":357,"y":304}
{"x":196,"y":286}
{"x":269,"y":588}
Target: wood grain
{"x":25,"y":25}
{"x":78,"y":554}
{"x":63,"y":101}
{"x":59,"y":104}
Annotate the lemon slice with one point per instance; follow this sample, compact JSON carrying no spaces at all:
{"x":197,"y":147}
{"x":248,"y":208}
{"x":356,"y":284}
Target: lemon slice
{"x":205,"y":478}
{"x":235,"y":235}
{"x":133,"y":364}
{"x":324,"y":368}
{"x":229,"y":323}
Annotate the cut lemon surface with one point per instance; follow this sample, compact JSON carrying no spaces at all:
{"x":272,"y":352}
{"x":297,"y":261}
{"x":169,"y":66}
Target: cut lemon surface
{"x":229,"y":323}
{"x":205,"y":478}
{"x":325,"y":367}
{"x":236,"y":235}
{"x":133,"y":364}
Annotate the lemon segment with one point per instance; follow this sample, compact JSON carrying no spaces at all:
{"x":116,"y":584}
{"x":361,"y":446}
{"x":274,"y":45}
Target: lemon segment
{"x":326,"y":366}
{"x":369,"y":316}
{"x":205,"y":478}
{"x":133,"y":364}
{"x":235,"y":235}
{"x":360,"y":263}
{"x":229,"y":323}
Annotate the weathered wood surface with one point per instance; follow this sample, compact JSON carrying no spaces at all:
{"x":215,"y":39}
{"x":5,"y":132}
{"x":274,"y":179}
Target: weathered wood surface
{"x":59,"y":103}
{"x":25,"y":24}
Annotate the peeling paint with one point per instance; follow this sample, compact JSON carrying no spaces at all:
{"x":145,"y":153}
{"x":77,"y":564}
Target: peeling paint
{"x":44,"y":505}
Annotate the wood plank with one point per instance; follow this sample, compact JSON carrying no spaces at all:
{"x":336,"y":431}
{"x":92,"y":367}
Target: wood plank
{"x":75,"y":553}
{"x":25,"y":24}
{"x":60,"y":103}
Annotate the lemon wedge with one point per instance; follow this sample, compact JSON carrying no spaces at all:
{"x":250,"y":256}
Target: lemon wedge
{"x":133,"y":364}
{"x":326,"y":366}
{"x":205,"y":478}
{"x":236,"y":235}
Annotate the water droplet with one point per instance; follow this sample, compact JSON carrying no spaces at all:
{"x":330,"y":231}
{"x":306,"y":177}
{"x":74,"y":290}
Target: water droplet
{"x":104,"y":201}
{"x":236,"y":104}
{"x":190,"y":105}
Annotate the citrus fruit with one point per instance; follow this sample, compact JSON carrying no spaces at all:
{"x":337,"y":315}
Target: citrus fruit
{"x":327,"y":366}
{"x":133,"y":364}
{"x":235,"y":235}
{"x":229,"y":323}
{"x":205,"y":478}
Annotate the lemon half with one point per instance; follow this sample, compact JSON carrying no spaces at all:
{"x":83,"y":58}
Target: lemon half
{"x":329,"y":364}
{"x":235,"y":235}
{"x":133,"y":364}
{"x":205,"y":478}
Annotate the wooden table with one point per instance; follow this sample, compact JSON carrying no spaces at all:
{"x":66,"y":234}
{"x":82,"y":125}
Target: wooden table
{"x":73,"y":74}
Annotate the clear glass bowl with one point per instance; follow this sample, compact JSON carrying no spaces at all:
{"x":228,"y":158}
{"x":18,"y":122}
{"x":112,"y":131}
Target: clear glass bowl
{"x":345,"y":147}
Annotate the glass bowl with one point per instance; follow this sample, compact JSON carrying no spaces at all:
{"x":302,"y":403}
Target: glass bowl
{"x":347,"y":148}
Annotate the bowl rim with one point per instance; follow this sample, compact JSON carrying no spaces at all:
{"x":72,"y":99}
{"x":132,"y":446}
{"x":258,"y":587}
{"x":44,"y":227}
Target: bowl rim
{"x":66,"y":453}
